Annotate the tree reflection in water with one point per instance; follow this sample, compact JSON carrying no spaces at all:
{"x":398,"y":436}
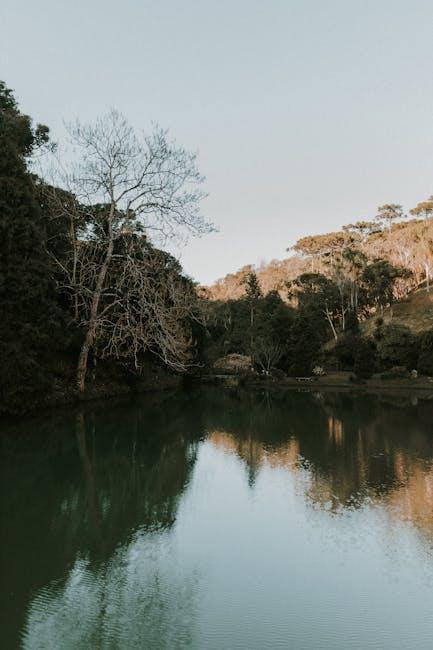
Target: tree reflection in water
{"x":79,"y":489}
{"x":355,"y":449}
{"x":91,"y":499}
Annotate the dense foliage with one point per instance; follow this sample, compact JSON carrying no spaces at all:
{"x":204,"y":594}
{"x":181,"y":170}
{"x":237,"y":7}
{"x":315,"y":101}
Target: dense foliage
{"x":31,"y":321}
{"x":318,"y":323}
{"x":85,"y":293}
{"x":331,"y":284}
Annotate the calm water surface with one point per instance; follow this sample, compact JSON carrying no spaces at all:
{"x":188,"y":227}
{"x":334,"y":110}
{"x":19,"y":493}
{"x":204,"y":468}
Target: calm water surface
{"x":210,"y":519}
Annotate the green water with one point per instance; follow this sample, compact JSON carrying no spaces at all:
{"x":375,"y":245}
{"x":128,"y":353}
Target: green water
{"x":210,"y":519}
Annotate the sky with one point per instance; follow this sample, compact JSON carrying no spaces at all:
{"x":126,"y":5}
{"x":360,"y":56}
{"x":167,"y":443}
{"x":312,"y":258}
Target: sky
{"x":306,"y":114}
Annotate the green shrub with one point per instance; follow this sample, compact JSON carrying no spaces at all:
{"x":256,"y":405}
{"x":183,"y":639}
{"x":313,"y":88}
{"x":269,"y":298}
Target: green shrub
{"x":365,"y":358}
{"x":425,"y":359}
{"x":397,"y":346}
{"x":345,"y":351}
{"x":352,"y":323}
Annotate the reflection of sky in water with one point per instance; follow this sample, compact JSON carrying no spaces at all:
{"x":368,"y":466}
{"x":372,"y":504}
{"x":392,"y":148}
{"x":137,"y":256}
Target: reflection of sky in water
{"x":139,"y":594}
{"x":265,"y":552}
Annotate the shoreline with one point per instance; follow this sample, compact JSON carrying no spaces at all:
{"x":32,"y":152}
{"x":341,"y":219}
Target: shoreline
{"x":338,"y":382}
{"x":422,"y":386}
{"x":66,"y":396}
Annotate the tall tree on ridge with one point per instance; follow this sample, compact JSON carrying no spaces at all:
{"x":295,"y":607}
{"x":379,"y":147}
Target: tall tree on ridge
{"x":254,"y":294}
{"x":362,"y":229}
{"x":388,"y":213}
{"x":423,"y":209}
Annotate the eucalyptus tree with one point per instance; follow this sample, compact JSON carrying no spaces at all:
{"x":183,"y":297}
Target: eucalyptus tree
{"x":388,"y":213}
{"x":423,"y":209}
{"x":423,"y":253}
{"x":127,"y":187}
{"x":353,"y":262}
{"x":362,"y":229}
{"x":313,"y":247}
{"x":326,"y":249}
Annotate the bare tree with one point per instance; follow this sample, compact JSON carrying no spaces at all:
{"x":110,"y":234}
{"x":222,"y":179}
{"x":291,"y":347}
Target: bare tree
{"x":124,"y":185}
{"x":149,"y":307}
{"x":267,"y":353}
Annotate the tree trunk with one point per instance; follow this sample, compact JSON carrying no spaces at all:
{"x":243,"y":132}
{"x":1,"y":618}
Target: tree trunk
{"x":74,"y":265}
{"x":343,"y":314}
{"x":93,"y":320}
{"x":334,"y":331}
{"x":252,"y":333}
{"x":83,"y":360}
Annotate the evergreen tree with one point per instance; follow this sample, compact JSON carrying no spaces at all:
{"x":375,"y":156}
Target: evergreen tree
{"x":30,"y":316}
{"x":305,"y":342}
{"x":379,"y":278}
{"x":253,"y":293}
{"x":352,"y":322}
{"x":425,"y":361}
{"x":365,"y":358}
{"x":397,"y":346}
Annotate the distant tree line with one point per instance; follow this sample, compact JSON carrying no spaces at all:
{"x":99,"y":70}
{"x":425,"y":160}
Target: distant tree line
{"x":388,"y":236}
{"x":292,"y":334}
{"x":306,"y":311}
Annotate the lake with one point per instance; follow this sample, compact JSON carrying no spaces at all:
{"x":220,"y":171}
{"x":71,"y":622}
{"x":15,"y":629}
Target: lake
{"x":218,"y":519}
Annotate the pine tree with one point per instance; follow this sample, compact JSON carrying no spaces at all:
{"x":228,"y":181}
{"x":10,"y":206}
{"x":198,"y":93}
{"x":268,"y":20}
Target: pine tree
{"x":29,"y":323}
{"x":254,"y":294}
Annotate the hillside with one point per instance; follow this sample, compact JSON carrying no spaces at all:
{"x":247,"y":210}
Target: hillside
{"x":415,"y":312}
{"x":408,"y":244}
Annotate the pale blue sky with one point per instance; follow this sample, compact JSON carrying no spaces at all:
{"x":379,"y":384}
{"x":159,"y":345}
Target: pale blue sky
{"x":306,"y":114}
